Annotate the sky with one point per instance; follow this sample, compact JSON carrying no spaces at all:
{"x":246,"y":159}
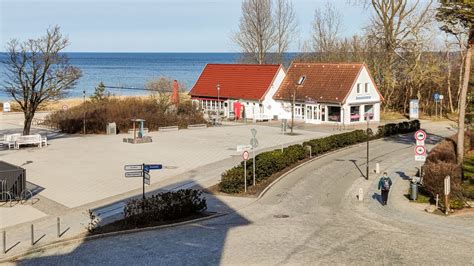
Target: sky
{"x":151,"y":26}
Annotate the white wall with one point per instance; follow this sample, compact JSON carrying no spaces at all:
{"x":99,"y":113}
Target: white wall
{"x":370,"y":98}
{"x":270,"y":106}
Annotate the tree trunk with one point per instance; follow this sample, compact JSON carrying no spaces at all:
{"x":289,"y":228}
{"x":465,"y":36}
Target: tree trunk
{"x":463,"y":62}
{"x":463,"y":97}
{"x":27,"y":125}
{"x":450,"y":96}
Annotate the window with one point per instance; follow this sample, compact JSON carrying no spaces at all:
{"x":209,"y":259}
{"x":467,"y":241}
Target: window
{"x":369,"y":111}
{"x":358,"y":87}
{"x":366,"y":87}
{"x":301,"y":80}
{"x":355,"y":115}
{"x":334,"y":113}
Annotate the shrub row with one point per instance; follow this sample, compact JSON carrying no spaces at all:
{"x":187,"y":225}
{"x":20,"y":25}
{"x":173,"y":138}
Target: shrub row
{"x":165,"y":206}
{"x":121,"y":111}
{"x":271,"y":162}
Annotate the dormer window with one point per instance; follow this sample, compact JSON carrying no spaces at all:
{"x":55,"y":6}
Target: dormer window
{"x":301,"y":80}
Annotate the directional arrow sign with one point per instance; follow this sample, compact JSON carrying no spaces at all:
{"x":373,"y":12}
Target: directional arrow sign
{"x":133,"y":167}
{"x":153,"y":166}
{"x":147,"y":179}
{"x":134,"y":174}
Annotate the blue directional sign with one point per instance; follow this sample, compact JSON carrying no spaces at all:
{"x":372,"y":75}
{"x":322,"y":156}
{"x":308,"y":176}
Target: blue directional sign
{"x":149,"y":167}
{"x":436,"y":96}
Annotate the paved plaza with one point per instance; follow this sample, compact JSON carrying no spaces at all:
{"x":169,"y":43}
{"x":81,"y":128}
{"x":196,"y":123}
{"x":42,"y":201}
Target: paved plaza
{"x":76,"y":170}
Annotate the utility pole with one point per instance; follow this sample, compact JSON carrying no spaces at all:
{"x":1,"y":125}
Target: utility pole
{"x":293,"y":111}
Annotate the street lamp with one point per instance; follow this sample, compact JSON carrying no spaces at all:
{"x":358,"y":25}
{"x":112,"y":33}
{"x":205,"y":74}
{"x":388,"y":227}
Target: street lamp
{"x":218,"y":101}
{"x":84,"y":118}
{"x":367,"y":117}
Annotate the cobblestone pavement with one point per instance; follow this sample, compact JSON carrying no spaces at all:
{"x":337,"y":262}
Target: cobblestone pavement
{"x":311,"y":216}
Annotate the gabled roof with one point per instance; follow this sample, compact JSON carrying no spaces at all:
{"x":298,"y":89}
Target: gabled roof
{"x":323,"y":82}
{"x":236,"y":81}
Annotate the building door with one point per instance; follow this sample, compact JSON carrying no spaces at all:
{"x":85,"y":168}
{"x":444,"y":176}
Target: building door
{"x":313,"y":114}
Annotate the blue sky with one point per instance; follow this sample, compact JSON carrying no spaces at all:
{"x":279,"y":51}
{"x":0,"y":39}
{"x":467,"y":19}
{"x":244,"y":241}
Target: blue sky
{"x":150,"y":26}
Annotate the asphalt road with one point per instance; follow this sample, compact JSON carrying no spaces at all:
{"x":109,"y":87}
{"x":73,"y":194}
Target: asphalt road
{"x":312,"y":216}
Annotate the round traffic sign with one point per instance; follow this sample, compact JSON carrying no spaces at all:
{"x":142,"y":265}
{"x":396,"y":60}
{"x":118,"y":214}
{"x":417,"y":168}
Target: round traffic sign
{"x":420,"y":150}
{"x":245,"y":155}
{"x":420,"y":135}
{"x":65,"y":107}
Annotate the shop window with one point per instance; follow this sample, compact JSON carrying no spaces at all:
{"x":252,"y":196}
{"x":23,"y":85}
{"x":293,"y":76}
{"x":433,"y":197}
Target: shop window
{"x":369,"y":111}
{"x":355,"y":115}
{"x":334,"y":113}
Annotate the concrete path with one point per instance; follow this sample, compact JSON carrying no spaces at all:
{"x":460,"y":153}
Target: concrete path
{"x":311,"y":216}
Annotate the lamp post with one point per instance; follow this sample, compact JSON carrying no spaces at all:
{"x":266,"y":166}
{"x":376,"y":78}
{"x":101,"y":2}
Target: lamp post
{"x":84,"y":118}
{"x":218,"y":101}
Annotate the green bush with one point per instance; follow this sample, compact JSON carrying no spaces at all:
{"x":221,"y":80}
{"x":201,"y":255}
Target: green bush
{"x":165,"y":206}
{"x":271,"y":162}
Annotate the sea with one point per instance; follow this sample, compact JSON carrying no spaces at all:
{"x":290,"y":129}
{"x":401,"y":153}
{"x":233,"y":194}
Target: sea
{"x":134,"y":70}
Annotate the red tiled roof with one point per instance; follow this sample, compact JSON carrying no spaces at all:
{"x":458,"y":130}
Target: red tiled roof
{"x":237,"y":81}
{"x":324,"y":82}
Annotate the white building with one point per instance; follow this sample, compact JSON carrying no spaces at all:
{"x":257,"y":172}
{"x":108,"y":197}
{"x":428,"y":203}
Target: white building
{"x":242,"y":90}
{"x":329,"y":93}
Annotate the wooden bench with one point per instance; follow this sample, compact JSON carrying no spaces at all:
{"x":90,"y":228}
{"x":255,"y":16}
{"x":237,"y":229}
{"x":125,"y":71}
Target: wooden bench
{"x":170,"y":128}
{"x":130,"y":131}
{"x":197,"y":126}
{"x":31,"y":140}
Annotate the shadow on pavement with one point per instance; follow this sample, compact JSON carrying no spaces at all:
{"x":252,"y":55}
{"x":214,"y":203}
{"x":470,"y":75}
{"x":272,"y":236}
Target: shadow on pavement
{"x":194,"y":243}
{"x":378,"y":197}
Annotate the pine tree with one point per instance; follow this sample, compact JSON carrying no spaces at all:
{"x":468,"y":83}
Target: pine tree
{"x":100,"y":94}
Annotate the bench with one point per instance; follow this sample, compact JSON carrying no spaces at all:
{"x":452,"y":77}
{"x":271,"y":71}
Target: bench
{"x":145,"y":130}
{"x":197,"y":126}
{"x":31,"y":139}
{"x":262,"y":117}
{"x":170,"y":128}
{"x":10,"y":139}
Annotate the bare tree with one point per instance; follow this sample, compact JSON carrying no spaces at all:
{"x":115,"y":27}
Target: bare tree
{"x":326,"y":27}
{"x":285,"y":27}
{"x":37,"y":72}
{"x":161,"y":90}
{"x":256,"y":34}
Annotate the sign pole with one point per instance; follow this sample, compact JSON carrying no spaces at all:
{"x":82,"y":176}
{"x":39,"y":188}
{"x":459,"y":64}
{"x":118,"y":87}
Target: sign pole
{"x":245,"y":175}
{"x":436,"y":108}
{"x":143,"y":183}
{"x":253,"y":154}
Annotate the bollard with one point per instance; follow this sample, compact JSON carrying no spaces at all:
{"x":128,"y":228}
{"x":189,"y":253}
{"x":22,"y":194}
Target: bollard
{"x":59,"y":227}
{"x":437,"y":200}
{"x":377,"y":168}
{"x":32,"y":235}
{"x":4,"y":238}
{"x":281,"y":148}
{"x":361,"y":194}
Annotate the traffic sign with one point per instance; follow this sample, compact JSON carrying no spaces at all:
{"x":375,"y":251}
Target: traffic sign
{"x":149,"y":167}
{"x":420,"y":158}
{"x":254,"y":142}
{"x":420,"y":150}
{"x":436,"y":96}
{"x":65,"y":107}
{"x":134,"y":174}
{"x":420,"y":135}
{"x":245,"y":155}
{"x":146,"y":179}
{"x":133,"y":167}
{"x":241,"y":148}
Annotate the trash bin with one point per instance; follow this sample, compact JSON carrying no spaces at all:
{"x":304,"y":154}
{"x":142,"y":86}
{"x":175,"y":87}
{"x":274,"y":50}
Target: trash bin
{"x":413,"y":191}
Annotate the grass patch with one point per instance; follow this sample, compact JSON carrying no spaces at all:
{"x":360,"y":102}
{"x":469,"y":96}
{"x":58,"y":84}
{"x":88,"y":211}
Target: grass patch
{"x":391,"y":116}
{"x":468,"y":166}
{"x":422,"y":197}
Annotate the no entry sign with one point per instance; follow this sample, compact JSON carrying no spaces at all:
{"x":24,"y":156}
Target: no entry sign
{"x":245,"y":155}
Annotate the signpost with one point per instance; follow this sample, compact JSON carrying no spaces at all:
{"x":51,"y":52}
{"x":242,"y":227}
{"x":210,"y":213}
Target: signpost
{"x":447,"y":190}
{"x":420,"y":150}
{"x":436,"y":99}
{"x":414,"y":106}
{"x":441,"y":105}
{"x":141,"y":170}
{"x":245,"y":156}
{"x":254,"y":144}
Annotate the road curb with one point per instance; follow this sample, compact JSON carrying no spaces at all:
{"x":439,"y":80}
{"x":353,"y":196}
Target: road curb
{"x":83,"y":237}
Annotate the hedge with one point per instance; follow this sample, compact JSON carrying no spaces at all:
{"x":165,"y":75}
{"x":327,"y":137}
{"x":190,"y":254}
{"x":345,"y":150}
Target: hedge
{"x":165,"y":206}
{"x":271,"y":162}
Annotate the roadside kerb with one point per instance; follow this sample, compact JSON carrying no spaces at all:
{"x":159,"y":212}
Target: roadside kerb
{"x":84,"y":237}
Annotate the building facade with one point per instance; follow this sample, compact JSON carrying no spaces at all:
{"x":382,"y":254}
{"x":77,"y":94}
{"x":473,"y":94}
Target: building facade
{"x":239,"y":90}
{"x":329,"y":93}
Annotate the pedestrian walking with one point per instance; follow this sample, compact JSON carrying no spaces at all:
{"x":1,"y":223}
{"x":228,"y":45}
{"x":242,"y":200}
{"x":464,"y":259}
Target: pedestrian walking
{"x":384,"y":185}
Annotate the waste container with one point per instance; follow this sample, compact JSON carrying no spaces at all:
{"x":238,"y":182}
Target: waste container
{"x":413,"y":191}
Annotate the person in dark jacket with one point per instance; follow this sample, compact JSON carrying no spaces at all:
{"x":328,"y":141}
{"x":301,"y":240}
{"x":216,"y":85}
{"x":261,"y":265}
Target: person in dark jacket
{"x":384,"y":185}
